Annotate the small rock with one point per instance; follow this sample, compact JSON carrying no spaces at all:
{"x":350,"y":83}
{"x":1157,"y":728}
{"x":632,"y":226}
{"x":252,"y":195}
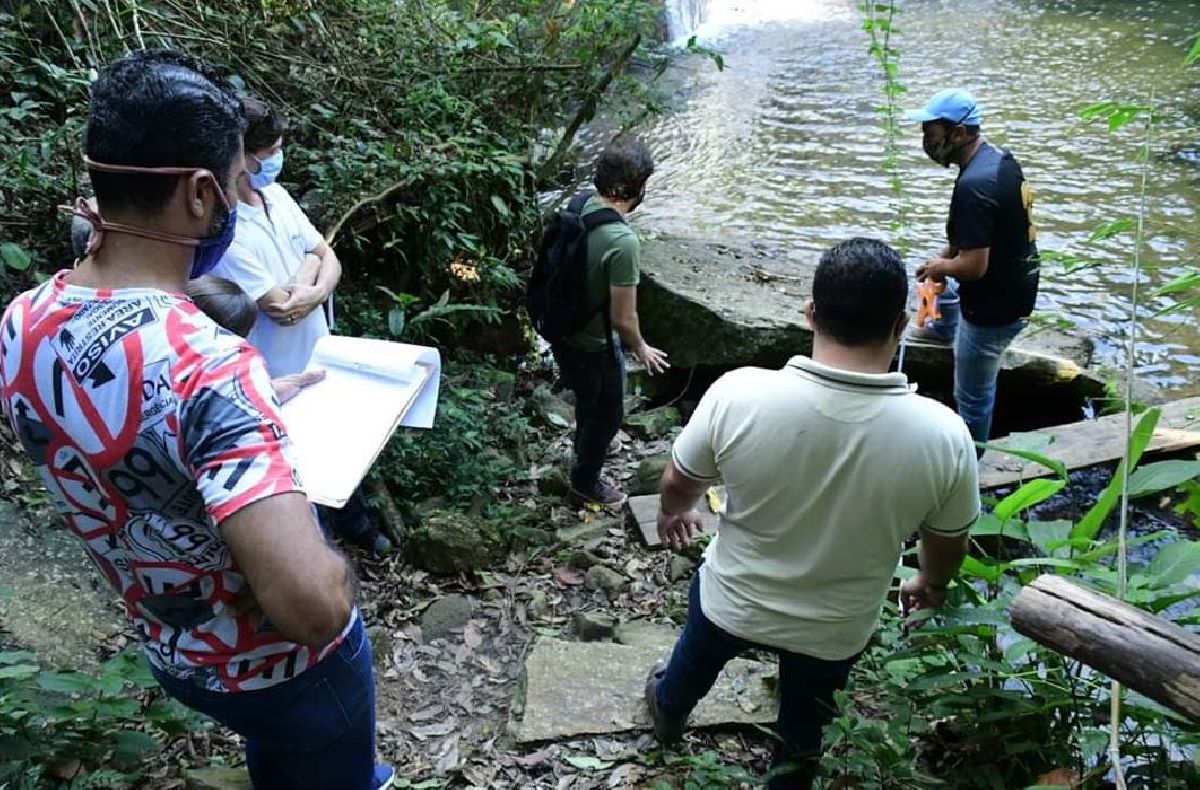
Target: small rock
{"x":445,"y":616}
{"x":217,"y":777}
{"x":554,"y":484}
{"x":530,"y":537}
{"x":588,"y":530}
{"x":648,"y":475}
{"x":492,"y":594}
{"x":583,"y":559}
{"x":551,"y":408}
{"x":681,"y":567}
{"x":655,"y":423}
{"x":606,"y":580}
{"x":594,"y":626}
{"x":539,"y":605}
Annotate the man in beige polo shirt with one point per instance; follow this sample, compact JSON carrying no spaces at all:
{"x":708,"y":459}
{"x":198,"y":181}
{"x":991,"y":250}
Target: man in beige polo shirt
{"x":830,"y":464}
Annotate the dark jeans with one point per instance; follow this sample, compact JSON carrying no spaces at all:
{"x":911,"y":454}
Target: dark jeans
{"x":351,"y":521}
{"x":315,"y":731}
{"x":806,"y":687}
{"x":598,"y":381}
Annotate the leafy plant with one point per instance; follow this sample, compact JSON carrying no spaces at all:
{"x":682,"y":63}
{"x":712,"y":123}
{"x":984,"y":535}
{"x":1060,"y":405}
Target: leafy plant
{"x":965,"y":690}
{"x":77,"y":726}
{"x":706,"y":770}
{"x":462,"y":456}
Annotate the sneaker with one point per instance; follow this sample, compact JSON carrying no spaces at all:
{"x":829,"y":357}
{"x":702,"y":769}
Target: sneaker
{"x":927,"y":334}
{"x":601,"y":492}
{"x":376,"y":543}
{"x":385,"y":777}
{"x":668,"y":730}
{"x":362,"y":533}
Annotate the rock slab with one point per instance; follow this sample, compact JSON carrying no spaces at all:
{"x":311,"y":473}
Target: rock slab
{"x":642,"y":512}
{"x":716,"y":306}
{"x":576,"y":688}
{"x":217,"y":777}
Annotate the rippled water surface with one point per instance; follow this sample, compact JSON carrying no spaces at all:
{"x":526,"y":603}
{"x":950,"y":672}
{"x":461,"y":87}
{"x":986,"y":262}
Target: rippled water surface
{"x":784,"y":148}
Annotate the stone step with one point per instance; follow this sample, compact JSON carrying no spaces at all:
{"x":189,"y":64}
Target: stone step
{"x":642,"y":513}
{"x":590,"y":688}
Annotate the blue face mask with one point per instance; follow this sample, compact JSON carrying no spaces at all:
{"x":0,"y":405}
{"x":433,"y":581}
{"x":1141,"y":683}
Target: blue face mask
{"x":211,"y":249}
{"x":208,"y":250}
{"x":268,"y":170}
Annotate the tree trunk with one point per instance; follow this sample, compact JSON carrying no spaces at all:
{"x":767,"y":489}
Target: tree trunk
{"x":1145,"y":652}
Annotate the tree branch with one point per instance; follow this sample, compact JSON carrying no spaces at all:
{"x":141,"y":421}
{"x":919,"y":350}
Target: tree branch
{"x":586,"y":111}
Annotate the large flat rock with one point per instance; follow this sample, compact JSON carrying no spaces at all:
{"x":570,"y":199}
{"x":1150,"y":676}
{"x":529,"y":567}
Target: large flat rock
{"x":56,"y":602}
{"x":642,"y":512}
{"x":716,"y":306}
{"x":588,"y":688}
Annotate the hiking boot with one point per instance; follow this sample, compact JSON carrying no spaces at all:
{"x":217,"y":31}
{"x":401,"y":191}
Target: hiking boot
{"x":667,"y":729}
{"x":601,"y":493}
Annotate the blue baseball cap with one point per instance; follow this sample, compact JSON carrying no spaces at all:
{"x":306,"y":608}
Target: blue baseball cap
{"x":954,"y":106}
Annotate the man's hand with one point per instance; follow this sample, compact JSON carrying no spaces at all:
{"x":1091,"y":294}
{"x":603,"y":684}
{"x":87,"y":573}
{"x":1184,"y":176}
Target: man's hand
{"x":676,"y":529}
{"x":934,"y":268}
{"x":301,"y":300}
{"x":652,"y":358}
{"x":917,"y":593}
{"x":288,"y":387}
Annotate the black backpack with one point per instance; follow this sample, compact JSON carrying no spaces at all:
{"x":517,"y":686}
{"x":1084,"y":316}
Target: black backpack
{"x":557,"y":297}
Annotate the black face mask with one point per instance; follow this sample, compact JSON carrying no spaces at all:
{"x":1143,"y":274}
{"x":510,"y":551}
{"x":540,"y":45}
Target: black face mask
{"x":637,"y":201}
{"x":944,"y":151}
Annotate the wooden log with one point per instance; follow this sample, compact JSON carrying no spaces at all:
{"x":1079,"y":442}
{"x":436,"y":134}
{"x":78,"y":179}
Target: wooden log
{"x":1147,"y":653}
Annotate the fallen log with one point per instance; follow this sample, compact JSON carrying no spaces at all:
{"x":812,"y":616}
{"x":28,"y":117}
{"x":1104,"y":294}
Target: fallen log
{"x":1147,"y":653}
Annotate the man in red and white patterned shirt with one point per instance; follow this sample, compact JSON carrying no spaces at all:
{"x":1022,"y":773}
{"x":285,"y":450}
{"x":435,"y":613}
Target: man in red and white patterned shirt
{"x":159,"y":437}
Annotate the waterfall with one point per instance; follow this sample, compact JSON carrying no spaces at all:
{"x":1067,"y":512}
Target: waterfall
{"x":684,"y":17}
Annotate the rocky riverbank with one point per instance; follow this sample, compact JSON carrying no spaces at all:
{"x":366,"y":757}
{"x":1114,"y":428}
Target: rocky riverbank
{"x":713,"y":307}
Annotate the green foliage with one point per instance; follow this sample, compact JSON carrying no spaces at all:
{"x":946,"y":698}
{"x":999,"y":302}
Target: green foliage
{"x":108,"y":722}
{"x":964,"y":695}
{"x":879,"y":22}
{"x":706,"y":770}
{"x":464,"y":454}
{"x":420,"y":131}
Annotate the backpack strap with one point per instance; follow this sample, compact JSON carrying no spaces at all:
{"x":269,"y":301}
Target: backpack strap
{"x":591,"y":221}
{"x":575,"y":205}
{"x":601,"y":216}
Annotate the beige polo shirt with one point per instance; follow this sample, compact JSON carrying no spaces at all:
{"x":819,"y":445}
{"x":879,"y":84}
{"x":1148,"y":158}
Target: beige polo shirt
{"x":827,"y":473}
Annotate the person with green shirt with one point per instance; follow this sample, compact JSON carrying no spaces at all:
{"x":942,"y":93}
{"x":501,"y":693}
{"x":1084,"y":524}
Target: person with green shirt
{"x":591,"y":361}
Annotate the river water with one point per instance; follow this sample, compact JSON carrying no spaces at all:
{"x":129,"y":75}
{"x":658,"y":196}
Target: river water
{"x":785,"y":149}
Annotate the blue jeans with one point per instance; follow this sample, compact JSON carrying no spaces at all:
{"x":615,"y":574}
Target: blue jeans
{"x":977,"y":351}
{"x":806,"y":687}
{"x":313,"y":732}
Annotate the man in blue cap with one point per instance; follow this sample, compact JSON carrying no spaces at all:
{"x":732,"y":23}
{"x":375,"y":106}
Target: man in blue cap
{"x":990,"y":250}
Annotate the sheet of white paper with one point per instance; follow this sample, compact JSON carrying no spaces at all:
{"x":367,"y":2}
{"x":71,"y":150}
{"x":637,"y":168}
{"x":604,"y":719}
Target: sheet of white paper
{"x":339,"y":425}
